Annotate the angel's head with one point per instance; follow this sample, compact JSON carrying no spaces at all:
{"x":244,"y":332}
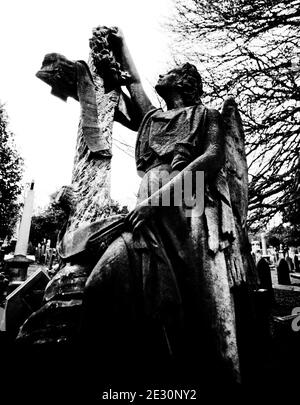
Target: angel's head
{"x":185,"y":79}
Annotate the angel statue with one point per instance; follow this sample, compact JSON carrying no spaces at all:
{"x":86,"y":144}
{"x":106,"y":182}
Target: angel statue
{"x":160,"y":304}
{"x":160,"y":295}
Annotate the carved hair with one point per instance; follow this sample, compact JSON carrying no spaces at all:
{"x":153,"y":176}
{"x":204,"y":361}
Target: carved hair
{"x":190,"y":83}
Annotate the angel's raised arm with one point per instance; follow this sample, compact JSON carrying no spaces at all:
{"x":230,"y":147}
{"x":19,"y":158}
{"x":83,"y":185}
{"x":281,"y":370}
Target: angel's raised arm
{"x":139,"y":104}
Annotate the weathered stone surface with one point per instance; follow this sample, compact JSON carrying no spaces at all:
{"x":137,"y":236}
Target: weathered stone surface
{"x":205,"y":248}
{"x":104,"y":59}
{"x":91,"y":172}
{"x":59,"y":73}
{"x":67,"y":283}
{"x":56,"y":322}
{"x":86,"y":200}
{"x":237,"y":178}
{"x":173,"y":274}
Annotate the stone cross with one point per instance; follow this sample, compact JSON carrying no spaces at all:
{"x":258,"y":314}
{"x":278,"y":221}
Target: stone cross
{"x":88,"y":196}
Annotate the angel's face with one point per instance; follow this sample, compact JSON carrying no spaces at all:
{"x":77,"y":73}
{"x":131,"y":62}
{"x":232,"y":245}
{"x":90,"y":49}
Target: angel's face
{"x":167,"y":82}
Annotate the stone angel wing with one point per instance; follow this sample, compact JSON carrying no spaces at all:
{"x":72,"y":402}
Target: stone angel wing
{"x":237,"y":178}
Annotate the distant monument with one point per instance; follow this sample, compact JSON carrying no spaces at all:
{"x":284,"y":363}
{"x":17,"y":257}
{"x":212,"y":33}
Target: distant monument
{"x":264,"y":244}
{"x":18,"y":264}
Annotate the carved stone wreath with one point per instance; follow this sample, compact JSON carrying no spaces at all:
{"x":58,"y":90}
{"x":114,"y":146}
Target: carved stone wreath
{"x":105,"y":59}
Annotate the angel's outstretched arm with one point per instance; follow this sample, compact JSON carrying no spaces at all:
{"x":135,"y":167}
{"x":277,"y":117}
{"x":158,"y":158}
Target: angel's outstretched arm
{"x":139,"y":104}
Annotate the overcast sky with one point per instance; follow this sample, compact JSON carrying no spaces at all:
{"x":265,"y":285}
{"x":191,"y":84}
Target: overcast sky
{"x":45,"y":127}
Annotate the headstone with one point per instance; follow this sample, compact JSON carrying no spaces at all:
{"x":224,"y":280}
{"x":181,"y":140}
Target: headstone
{"x":296,"y":264}
{"x":2,"y":254}
{"x":283,"y":272}
{"x":50,"y":259}
{"x":24,"y":300}
{"x":3,"y":286}
{"x":2,"y":319}
{"x":289,"y":262}
{"x":264,"y":274}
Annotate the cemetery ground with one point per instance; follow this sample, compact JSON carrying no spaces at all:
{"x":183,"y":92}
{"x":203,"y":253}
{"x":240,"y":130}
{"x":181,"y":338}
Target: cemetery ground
{"x":276,"y":375}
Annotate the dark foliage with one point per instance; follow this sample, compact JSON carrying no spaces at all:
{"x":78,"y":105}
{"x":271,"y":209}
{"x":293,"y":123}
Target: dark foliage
{"x":285,"y":235}
{"x":48,"y":223}
{"x":11,"y":169}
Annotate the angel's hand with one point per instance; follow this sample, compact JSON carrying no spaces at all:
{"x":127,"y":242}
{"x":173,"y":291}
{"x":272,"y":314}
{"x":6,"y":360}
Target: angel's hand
{"x":140,"y":215}
{"x":116,"y":38}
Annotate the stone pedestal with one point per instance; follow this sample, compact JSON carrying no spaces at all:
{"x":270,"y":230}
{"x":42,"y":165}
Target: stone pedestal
{"x":17,"y":268}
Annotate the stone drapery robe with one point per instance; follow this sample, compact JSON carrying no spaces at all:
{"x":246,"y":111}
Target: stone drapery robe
{"x":162,"y":295}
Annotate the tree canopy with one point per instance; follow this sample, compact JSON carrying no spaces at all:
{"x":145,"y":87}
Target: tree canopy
{"x":285,"y":235}
{"x":48,"y":223}
{"x":250,"y":50}
{"x":11,"y":169}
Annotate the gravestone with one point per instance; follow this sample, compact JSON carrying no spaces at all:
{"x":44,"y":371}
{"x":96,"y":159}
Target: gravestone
{"x":296,"y":264}
{"x":24,"y":300}
{"x":290,"y":263}
{"x":264,"y":274}
{"x":283,"y":272}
